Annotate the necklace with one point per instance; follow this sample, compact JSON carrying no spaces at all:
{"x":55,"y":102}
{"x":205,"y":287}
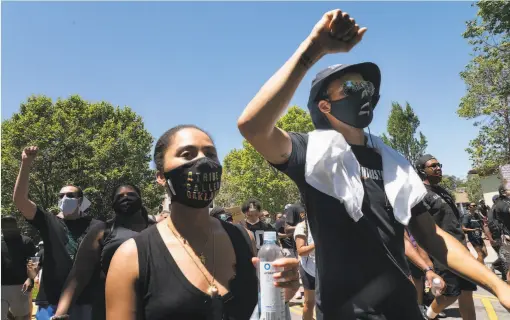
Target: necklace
{"x":212,"y":290}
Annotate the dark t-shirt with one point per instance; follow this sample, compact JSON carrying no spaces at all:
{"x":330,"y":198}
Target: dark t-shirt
{"x":366,"y":258}
{"x":288,"y":242}
{"x":258,"y":231}
{"x":444,"y":211}
{"x":15,"y":253}
{"x":502,"y":213}
{"x":61,"y":240}
{"x":473,"y":222}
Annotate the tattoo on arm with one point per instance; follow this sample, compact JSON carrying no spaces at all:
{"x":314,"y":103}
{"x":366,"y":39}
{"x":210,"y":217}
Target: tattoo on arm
{"x":285,"y":155}
{"x":306,"y":61}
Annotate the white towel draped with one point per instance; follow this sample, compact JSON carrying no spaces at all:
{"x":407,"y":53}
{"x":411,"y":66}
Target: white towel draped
{"x":332,"y":168}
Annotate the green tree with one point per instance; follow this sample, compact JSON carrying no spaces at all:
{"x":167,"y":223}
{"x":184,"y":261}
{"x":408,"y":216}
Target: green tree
{"x":474,"y":188}
{"x":487,"y":78}
{"x":93,"y":145}
{"x":402,"y":126}
{"x":452,"y":183}
{"x":246,"y":174}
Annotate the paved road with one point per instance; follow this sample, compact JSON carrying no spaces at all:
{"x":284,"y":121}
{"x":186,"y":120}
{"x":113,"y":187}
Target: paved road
{"x":486,"y":305}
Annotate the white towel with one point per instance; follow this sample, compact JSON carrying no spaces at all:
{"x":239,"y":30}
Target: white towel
{"x":332,"y":168}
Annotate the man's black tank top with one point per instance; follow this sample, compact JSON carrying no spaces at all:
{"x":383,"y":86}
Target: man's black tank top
{"x":163,"y":292}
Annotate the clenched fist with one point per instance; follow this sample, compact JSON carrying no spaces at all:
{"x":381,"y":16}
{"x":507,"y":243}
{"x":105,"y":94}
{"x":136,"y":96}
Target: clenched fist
{"x":29,"y":154}
{"x":336,"y":32}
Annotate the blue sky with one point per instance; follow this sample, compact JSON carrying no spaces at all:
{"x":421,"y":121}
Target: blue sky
{"x":201,"y":63}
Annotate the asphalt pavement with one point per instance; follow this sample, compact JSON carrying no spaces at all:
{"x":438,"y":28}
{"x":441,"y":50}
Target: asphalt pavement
{"x":487,"y":305}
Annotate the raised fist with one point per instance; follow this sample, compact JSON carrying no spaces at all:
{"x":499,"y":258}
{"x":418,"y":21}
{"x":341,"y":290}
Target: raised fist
{"x":336,"y":32}
{"x":29,"y":154}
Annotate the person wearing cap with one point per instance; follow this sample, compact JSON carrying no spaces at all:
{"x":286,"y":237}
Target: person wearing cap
{"x":220,"y":213}
{"x":356,"y":214}
{"x":447,"y":217}
{"x":501,"y":213}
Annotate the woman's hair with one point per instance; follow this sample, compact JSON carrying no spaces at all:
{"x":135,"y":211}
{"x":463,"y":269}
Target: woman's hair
{"x":165,"y":141}
{"x":125,"y":185}
{"x":145,"y":213}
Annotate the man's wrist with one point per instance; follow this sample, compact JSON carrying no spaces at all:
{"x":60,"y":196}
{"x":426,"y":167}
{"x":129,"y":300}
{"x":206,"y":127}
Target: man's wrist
{"x":310,"y":53}
{"x":427,"y":269}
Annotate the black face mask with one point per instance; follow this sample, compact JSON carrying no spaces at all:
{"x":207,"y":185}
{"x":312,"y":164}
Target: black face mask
{"x":196,"y":183}
{"x":127,"y":204}
{"x":356,"y":109}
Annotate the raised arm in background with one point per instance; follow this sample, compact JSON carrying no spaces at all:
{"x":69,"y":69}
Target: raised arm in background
{"x":20,"y":196}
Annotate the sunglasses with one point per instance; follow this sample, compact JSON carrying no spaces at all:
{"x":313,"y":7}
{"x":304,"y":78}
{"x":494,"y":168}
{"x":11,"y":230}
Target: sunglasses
{"x":69,"y":195}
{"x":365,"y":88}
{"x":435,"y":165}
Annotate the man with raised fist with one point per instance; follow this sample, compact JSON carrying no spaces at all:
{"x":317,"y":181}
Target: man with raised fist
{"x":358,"y":193}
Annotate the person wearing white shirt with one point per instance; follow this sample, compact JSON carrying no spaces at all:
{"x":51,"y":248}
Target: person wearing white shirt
{"x":306,"y":251}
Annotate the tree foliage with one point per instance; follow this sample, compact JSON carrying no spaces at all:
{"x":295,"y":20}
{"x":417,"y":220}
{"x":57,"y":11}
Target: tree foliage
{"x":487,"y":79}
{"x":246,"y":174}
{"x":402,"y":126}
{"x":92,"y":145}
{"x":474,"y":188}
{"x":452,"y":183}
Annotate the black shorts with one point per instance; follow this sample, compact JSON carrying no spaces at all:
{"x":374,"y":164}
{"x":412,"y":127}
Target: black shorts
{"x":415,"y":271}
{"x":477,"y":242}
{"x":454,"y":283}
{"x":307,"y":279}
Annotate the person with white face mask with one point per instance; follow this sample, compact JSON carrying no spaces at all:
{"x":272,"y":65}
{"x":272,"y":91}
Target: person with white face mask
{"x":61,"y":234}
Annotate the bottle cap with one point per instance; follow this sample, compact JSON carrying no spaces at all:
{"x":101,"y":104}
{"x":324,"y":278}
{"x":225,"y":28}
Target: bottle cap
{"x":270,"y":236}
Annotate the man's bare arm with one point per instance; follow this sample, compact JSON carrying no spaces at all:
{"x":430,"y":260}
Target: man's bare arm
{"x":450,"y":252}
{"x":20,"y":195}
{"x":258,"y":121}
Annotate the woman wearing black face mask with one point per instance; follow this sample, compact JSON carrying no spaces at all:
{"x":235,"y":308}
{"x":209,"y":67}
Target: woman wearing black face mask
{"x":190,"y":265}
{"x":97,"y":249}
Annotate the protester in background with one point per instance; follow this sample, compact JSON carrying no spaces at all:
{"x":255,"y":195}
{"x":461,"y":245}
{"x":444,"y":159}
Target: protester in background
{"x":286,"y":240}
{"x":98,"y":247}
{"x":190,"y":266}
{"x":501,"y":212}
{"x":294,"y":214}
{"x":16,"y":282}
{"x":447,"y":217}
{"x":220,"y":213}
{"x":62,"y":235}
{"x":472,"y":225}
{"x":353,"y":205}
{"x":252,"y":210}
{"x":306,"y":250}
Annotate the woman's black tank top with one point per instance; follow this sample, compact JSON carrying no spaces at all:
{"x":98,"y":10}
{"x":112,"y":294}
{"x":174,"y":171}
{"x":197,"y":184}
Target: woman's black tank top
{"x":112,"y":240}
{"x":163,"y":291}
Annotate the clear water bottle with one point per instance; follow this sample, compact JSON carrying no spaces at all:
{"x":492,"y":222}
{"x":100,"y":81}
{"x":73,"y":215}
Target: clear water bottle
{"x":272,"y":299}
{"x":435,"y":289}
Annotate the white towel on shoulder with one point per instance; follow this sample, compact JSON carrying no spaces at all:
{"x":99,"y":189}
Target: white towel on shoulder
{"x":332,"y":168}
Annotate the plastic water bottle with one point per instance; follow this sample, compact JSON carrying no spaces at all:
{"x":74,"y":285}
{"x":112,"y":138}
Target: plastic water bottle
{"x":436,"y":287}
{"x":272,"y":299}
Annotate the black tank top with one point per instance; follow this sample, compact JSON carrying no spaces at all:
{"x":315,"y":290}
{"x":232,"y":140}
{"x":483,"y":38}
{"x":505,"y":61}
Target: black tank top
{"x":163,"y":291}
{"x":111,"y":242}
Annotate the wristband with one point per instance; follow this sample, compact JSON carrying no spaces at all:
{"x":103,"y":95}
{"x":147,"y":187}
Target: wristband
{"x":427,"y":269}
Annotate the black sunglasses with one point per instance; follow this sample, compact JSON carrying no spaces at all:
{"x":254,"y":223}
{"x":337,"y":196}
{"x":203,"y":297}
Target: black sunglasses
{"x":69,"y":195}
{"x":435,"y":165}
